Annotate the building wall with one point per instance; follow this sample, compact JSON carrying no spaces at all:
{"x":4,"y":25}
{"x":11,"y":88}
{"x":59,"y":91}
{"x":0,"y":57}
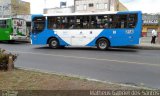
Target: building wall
{"x":59,"y":10}
{"x":122,"y":7}
{"x":96,"y":5}
{"x":9,"y":8}
{"x":89,"y":6}
{"x":150,"y":22}
{"x":20,"y":7}
{"x":5,"y":8}
{"x":146,"y":31}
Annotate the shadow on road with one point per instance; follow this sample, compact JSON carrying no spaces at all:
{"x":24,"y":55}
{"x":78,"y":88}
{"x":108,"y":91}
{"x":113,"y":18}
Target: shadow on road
{"x":89,"y":49}
{"x":14,"y":42}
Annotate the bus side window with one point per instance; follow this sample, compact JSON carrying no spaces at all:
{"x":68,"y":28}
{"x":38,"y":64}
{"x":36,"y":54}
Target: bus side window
{"x":86,"y":22}
{"x":106,"y":21}
{"x":93,"y":22}
{"x":71,"y":22}
{"x":52,"y":23}
{"x":3,"y":24}
{"x":132,"y":20}
{"x":123,"y":21}
{"x":58,"y":22}
{"x":110,"y":21}
{"x":78,"y":22}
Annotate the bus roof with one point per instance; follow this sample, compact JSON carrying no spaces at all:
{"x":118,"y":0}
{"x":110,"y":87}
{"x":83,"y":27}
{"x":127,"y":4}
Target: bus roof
{"x":11,"y":18}
{"x":91,"y":13}
{"x":4,"y":18}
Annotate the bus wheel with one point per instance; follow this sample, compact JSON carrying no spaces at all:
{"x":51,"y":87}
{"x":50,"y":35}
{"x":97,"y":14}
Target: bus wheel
{"x":102,"y":44}
{"x":53,"y":43}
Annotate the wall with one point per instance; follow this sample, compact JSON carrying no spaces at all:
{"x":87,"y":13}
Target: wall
{"x":9,"y":8}
{"x":150,"y":22}
{"x":96,"y":5}
{"x":59,"y":10}
{"x":122,"y":7}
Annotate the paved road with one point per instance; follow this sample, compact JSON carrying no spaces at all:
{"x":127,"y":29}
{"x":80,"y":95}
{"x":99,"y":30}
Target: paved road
{"x":117,"y":65}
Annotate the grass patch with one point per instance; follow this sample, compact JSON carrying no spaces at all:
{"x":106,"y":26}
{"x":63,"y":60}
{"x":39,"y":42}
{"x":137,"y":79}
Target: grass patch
{"x":29,"y":80}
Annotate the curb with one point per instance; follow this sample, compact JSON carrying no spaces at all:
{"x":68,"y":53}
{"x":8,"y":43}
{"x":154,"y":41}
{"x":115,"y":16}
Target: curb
{"x":148,"y":46}
{"x":145,"y":47}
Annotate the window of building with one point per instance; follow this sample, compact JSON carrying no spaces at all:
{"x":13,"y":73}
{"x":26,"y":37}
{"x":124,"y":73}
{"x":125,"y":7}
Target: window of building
{"x":97,"y":6}
{"x":80,"y":7}
{"x":91,"y":5}
{"x":85,"y":7}
{"x":101,"y":6}
{"x":106,"y":6}
{"x":1,"y":8}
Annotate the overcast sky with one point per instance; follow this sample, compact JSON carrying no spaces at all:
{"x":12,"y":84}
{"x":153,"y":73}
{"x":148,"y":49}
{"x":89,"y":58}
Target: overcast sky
{"x":146,"y":6}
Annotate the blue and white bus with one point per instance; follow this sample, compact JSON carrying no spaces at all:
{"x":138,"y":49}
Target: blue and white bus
{"x":103,"y":30}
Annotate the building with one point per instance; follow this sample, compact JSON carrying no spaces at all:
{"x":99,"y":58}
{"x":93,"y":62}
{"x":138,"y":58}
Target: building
{"x":121,"y":7}
{"x":150,"y":22}
{"x":98,"y":5}
{"x":59,"y":10}
{"x":88,"y":6}
{"x":9,"y":8}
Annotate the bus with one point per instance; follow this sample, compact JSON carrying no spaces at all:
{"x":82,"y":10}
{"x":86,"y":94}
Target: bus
{"x":103,"y":30}
{"x":12,"y":29}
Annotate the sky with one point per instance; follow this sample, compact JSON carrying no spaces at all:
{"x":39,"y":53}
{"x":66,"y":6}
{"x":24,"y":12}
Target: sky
{"x":146,"y":6}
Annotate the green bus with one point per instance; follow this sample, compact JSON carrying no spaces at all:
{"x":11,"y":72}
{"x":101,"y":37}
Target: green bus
{"x":12,"y":29}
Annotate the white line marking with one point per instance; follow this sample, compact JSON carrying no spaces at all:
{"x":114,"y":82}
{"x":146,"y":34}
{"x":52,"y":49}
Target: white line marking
{"x":87,"y":58}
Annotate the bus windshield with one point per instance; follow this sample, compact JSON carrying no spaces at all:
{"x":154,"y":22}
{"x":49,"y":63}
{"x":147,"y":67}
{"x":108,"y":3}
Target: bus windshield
{"x":38,"y":24}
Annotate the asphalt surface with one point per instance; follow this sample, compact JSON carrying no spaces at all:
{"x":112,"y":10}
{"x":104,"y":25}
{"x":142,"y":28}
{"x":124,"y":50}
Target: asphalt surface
{"x":132,"y":66}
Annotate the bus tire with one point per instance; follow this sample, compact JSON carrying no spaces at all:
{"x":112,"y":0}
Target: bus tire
{"x":102,"y":44}
{"x":53,"y":43}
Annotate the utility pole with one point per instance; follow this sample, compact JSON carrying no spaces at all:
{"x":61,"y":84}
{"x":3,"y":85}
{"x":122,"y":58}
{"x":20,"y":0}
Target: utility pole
{"x":109,"y":5}
{"x":74,"y":6}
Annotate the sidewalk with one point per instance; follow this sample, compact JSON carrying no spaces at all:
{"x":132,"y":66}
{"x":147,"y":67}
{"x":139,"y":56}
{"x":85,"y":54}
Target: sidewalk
{"x":148,"y":46}
{"x":145,"y":44}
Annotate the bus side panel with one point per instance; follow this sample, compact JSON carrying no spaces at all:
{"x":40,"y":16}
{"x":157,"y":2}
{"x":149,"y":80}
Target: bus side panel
{"x":118,"y":37}
{"x":5,"y":32}
{"x":122,"y":37}
{"x":42,"y":38}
